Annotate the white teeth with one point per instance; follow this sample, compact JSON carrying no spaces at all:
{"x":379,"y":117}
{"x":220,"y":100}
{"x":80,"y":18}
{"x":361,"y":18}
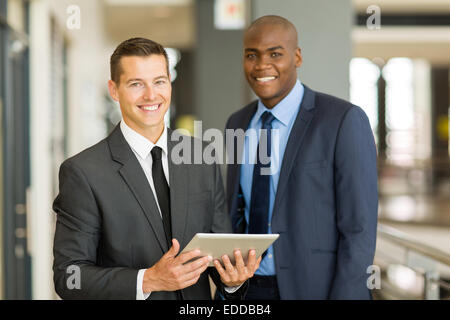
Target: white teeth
{"x":151,"y":108}
{"x":265,"y":79}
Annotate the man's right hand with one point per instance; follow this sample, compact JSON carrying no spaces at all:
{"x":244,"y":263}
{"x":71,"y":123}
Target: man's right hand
{"x":171,"y":274}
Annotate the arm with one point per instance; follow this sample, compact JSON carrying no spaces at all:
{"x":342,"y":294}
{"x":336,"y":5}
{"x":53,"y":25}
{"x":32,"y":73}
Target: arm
{"x":356,"y":195}
{"x":221,"y":223}
{"x":77,"y":235}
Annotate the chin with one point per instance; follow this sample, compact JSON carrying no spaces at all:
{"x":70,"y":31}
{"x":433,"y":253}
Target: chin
{"x":265,"y":95}
{"x":154,"y":124}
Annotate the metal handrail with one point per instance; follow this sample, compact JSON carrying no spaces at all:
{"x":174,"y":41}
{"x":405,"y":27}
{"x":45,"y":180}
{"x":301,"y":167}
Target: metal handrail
{"x":410,"y":243}
{"x":432,"y":281}
{"x":444,"y":284}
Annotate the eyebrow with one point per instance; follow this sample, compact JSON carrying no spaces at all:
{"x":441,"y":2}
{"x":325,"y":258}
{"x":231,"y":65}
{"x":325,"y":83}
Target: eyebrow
{"x":161,"y":77}
{"x":134,"y":79}
{"x":139,"y":79}
{"x":275,"y":48}
{"x":269,"y":49}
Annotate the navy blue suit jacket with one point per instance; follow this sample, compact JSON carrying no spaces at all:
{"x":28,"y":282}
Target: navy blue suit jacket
{"x":326,"y":203}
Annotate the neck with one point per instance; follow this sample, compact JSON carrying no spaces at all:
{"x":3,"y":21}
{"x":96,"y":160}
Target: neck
{"x":271,"y":103}
{"x":152,"y":133}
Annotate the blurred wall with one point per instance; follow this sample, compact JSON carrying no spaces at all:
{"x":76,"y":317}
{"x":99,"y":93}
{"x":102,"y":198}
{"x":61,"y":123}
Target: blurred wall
{"x":86,"y":83}
{"x":220,"y":87}
{"x":324,"y":29}
{"x":88,"y":62}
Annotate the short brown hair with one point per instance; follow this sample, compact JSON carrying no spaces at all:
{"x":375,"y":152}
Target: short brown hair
{"x":134,"y":47}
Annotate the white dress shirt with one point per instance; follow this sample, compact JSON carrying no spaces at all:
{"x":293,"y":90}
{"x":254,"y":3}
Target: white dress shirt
{"x":142,"y":147}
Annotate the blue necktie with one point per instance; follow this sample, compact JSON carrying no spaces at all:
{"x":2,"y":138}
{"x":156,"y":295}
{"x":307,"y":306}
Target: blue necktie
{"x":260,"y":197}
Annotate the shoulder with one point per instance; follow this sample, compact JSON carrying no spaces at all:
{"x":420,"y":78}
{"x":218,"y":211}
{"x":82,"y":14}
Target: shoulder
{"x":90,"y":159}
{"x":332,"y":103}
{"x":336,"y":108}
{"x":242,"y":113}
{"x":187,"y":149}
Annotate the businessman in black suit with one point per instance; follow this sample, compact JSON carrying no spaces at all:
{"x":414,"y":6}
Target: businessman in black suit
{"x":124,"y":209}
{"x":322,"y":194}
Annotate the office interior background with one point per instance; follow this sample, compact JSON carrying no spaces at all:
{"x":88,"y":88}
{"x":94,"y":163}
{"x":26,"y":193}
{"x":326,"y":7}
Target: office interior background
{"x":391,"y":57}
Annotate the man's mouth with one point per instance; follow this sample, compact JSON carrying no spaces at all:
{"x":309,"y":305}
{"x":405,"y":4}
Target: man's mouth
{"x":265,"y":79}
{"x":149,"y":107}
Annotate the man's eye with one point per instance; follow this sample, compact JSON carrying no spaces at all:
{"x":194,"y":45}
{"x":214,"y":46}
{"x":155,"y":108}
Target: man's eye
{"x":159,"y":82}
{"x":275,"y":54}
{"x":250,"y":56}
{"x":136,"y":84}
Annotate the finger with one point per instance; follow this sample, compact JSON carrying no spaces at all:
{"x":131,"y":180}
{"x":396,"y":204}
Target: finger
{"x":223,"y":274}
{"x":189,"y":283}
{"x":240,"y":265}
{"x":195,"y":272}
{"x":251,"y":261}
{"x":257,"y":263}
{"x":184,"y":275}
{"x":228,"y":265}
{"x":173,"y":251}
{"x":185,"y":257}
{"x":197,"y":264}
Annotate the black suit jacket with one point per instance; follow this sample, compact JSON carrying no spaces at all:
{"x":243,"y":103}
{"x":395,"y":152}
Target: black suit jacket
{"x":109,"y":225}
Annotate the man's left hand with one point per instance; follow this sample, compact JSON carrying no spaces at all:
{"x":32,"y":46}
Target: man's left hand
{"x":236,"y":275}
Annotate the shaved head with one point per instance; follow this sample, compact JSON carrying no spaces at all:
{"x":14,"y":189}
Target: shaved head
{"x":271,"y":58}
{"x":271,"y":21}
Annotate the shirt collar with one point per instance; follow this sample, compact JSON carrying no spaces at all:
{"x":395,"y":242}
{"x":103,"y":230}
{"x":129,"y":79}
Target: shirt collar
{"x":286,"y":109}
{"x":141,"y":145}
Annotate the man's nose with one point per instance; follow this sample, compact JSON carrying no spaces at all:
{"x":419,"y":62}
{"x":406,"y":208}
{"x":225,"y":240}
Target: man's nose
{"x":262,"y":64}
{"x":149,"y":93}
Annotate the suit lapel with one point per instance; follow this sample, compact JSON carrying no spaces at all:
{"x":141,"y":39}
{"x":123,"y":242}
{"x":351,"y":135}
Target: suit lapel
{"x":235,"y":167}
{"x":135,"y":178}
{"x":178,"y":181}
{"x":294,"y":143}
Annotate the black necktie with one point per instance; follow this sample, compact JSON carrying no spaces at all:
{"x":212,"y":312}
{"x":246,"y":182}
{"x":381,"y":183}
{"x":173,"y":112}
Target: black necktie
{"x":162,"y":192}
{"x":260,"y":197}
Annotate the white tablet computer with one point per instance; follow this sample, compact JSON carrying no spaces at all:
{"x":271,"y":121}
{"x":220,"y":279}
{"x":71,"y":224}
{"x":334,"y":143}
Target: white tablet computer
{"x":218,"y":244}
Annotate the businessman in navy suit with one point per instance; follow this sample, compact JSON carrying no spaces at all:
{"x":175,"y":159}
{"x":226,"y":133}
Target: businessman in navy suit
{"x":321,"y":195}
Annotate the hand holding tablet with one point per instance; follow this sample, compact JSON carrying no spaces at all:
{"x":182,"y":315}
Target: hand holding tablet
{"x":238,"y":253}
{"x":218,"y":244}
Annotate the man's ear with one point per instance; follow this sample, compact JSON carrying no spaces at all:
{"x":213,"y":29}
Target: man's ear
{"x":298,"y":57}
{"x":113,"y":90}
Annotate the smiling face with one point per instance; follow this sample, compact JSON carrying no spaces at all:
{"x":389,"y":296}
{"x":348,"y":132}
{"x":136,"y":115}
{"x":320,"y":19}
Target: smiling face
{"x":271,"y":59}
{"x":144,"y":93}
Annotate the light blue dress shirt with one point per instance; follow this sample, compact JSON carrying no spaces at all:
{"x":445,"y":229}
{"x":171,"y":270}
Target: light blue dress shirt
{"x":285,"y":113}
